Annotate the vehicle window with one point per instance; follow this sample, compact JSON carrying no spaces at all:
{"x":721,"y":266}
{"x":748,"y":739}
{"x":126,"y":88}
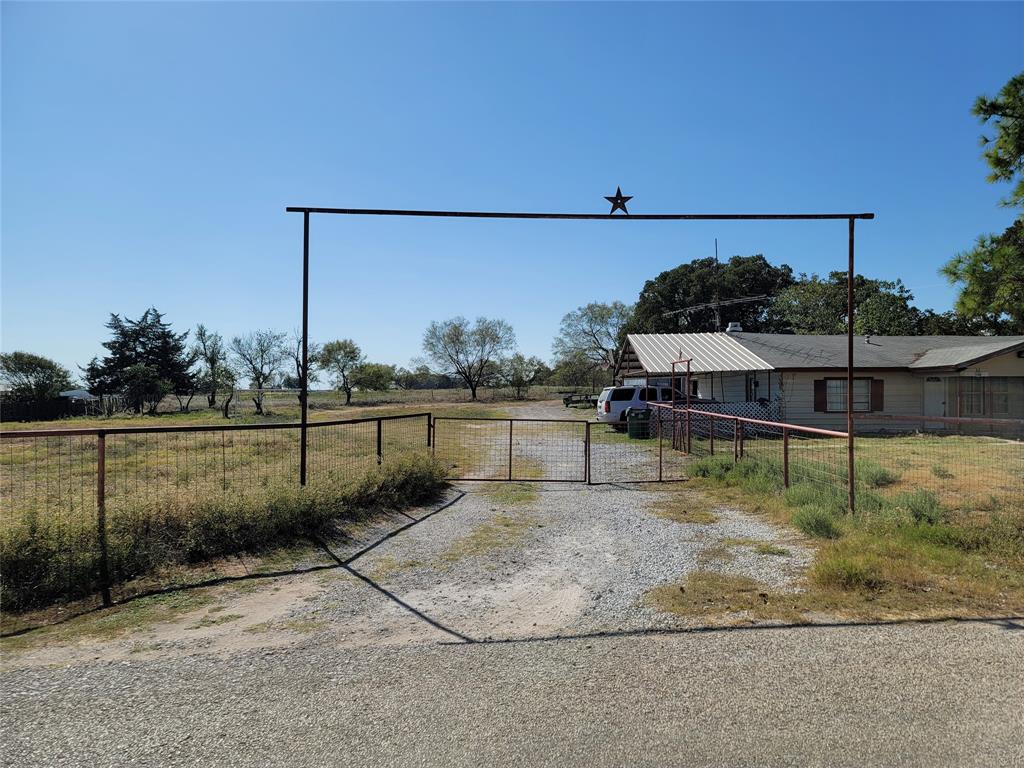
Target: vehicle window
{"x":666,"y":395}
{"x":648,"y":394}
{"x":622,"y":393}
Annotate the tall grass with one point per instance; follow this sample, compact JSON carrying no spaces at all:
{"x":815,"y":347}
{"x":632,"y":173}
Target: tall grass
{"x":902,"y":551}
{"x":43,"y":561}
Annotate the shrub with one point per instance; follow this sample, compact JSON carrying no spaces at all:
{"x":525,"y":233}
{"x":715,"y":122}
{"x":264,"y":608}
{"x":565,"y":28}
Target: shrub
{"x":816,"y":521}
{"x":874,"y":475}
{"x":941,"y":472}
{"x":922,"y":506}
{"x":826,"y":497}
{"x":713,"y":467}
{"x":47,"y":557}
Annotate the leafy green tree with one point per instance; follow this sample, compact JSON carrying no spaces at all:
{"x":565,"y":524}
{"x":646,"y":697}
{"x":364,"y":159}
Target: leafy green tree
{"x":596,"y":331}
{"x":702,"y":281}
{"x":991,"y":276}
{"x":469,"y":351}
{"x":1004,"y":148}
{"x":341,"y":358}
{"x":375,"y":377}
{"x":520,"y":373}
{"x":578,"y":370}
{"x":33,"y":378}
{"x":150,"y":343}
{"x":212,"y":356}
{"x":817,"y":305}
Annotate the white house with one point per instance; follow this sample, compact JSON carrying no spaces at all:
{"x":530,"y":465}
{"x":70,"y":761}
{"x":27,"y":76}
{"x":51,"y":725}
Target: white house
{"x":802,"y":379}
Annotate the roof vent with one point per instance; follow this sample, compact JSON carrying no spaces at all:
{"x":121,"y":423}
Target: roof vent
{"x":734,"y":327}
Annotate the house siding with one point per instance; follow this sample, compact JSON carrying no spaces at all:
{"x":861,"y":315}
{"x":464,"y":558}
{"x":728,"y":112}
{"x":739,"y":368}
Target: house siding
{"x":903,"y":396}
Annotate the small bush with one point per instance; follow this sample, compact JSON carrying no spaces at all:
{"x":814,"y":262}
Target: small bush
{"x":817,"y":521}
{"x":874,"y":475}
{"x":810,"y":494}
{"x":941,"y":472}
{"x":712,"y":467}
{"x":922,"y":506}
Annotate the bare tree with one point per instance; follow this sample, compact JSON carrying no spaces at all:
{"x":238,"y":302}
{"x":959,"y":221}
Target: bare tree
{"x":259,"y":356}
{"x":295,"y":354}
{"x":470,"y":352}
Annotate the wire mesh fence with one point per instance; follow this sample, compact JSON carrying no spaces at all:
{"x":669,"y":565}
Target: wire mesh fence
{"x":967,"y":465}
{"x":552,"y":450}
{"x":95,"y":511}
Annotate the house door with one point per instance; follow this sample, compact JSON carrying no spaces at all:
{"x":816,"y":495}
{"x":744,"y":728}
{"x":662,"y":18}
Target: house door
{"x":934,"y":400}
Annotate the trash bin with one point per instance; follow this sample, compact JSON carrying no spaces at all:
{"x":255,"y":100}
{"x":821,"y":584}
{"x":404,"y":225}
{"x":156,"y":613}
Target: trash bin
{"x":638,"y":423}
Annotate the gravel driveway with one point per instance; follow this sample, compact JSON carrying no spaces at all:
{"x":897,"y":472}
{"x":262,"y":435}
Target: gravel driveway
{"x":511,"y":627}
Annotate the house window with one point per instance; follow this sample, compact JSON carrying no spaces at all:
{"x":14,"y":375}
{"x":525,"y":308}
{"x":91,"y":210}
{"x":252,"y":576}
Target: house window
{"x":972,"y":397}
{"x":1000,"y":393}
{"x":830,"y":395}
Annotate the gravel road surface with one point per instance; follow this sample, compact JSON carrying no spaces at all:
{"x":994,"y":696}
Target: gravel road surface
{"x":511,"y":628}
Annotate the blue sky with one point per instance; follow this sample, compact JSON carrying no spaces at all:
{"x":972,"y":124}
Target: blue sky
{"x":149,"y":151}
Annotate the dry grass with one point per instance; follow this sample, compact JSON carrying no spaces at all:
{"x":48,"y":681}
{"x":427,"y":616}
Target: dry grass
{"x":684,"y":507}
{"x":902,"y":554}
{"x":502,"y":532}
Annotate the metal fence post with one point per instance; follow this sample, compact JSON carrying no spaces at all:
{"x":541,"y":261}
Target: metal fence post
{"x":711,"y":433}
{"x":689,"y":444}
{"x":740,"y":424}
{"x":380,"y":443}
{"x":661,"y":442}
{"x":101,"y":515}
{"x":735,"y":440}
{"x":586,"y":453}
{"x":430,"y":429}
{"x":785,"y":457}
{"x":510,"y":449}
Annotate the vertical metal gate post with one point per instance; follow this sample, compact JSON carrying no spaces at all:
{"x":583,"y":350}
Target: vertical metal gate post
{"x":510,"y":449}
{"x":380,"y":442}
{"x":740,"y":425}
{"x":661,"y":441}
{"x":101,"y":515}
{"x":849,"y":376}
{"x":735,"y":441}
{"x":304,"y":395}
{"x":785,"y":457}
{"x":711,"y":434}
{"x":430,"y":429}
{"x":586,"y":453}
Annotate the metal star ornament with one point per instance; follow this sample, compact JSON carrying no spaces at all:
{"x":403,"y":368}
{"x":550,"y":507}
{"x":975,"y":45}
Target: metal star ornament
{"x":618,"y":202}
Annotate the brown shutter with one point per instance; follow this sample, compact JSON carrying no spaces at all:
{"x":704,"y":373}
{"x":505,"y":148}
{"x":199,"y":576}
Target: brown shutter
{"x":820,"y":397}
{"x":877,"y":395}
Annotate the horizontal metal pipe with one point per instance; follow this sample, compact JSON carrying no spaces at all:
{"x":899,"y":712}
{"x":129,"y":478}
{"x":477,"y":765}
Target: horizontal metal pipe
{"x":582,"y":216}
{"x":863,"y":416}
{"x":14,"y":434}
{"x":760,"y":422}
{"x":506,"y":420}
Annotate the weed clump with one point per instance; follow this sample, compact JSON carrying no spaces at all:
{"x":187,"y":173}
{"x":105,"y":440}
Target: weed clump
{"x":816,"y":521}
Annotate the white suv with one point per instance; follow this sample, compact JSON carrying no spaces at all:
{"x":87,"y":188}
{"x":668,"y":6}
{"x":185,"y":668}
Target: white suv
{"x":613,"y":401}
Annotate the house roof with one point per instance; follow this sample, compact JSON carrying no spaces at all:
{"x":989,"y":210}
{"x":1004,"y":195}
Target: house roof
{"x":78,"y":394}
{"x":771,"y":351}
{"x":708,"y":351}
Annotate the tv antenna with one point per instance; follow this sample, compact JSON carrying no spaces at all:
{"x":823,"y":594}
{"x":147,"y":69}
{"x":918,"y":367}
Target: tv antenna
{"x":717,"y":304}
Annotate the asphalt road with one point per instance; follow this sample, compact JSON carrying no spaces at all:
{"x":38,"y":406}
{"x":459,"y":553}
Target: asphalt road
{"x":909,"y":694}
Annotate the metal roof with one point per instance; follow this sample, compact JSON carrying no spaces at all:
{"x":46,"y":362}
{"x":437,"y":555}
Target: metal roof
{"x":709,"y":352}
{"x":727,"y":352}
{"x":795,"y":351}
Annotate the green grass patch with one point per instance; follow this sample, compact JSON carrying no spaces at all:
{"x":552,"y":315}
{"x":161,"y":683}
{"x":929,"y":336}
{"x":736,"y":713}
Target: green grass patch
{"x":874,"y":475}
{"x":818,"y":522}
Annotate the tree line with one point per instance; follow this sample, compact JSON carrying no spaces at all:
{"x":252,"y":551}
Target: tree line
{"x":989,"y":277}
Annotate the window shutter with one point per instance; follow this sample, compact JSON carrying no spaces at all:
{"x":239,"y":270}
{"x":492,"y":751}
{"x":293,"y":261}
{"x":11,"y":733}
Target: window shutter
{"x":820,"y":397}
{"x":877,"y":395}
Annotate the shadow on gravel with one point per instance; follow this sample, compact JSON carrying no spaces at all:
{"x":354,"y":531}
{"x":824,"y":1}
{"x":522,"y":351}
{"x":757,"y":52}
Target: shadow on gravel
{"x":338,"y":563}
{"x":1009,"y":623}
